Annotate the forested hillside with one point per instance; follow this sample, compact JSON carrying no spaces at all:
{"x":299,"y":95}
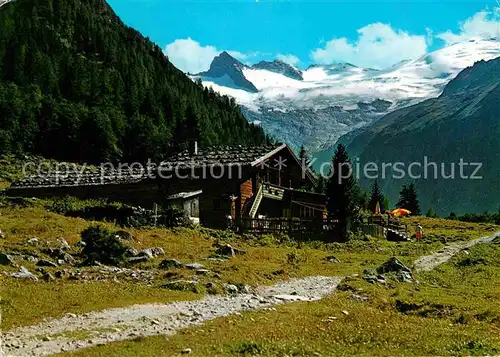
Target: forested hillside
{"x":461,"y":125}
{"x":76,"y":84}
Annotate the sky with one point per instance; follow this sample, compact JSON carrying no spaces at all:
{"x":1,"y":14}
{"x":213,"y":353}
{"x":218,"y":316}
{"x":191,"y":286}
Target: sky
{"x":376,"y":34}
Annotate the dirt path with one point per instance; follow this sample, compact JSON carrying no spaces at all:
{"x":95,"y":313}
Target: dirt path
{"x":429,"y":262}
{"x":151,"y":319}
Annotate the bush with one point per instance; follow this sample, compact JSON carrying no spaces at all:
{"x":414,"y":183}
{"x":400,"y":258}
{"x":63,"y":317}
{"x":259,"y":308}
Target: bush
{"x":101,"y":245}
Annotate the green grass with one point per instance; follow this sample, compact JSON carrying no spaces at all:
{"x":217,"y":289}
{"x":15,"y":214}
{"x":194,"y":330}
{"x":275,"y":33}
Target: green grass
{"x":455,"y":310}
{"x":266,"y":262}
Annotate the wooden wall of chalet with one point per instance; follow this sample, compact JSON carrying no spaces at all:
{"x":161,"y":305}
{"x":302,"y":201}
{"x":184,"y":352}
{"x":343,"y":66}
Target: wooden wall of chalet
{"x":282,"y":169}
{"x":246,"y":191}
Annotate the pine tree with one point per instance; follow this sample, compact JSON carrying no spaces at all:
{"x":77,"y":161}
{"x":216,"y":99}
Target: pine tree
{"x":431,"y":213}
{"x":376,"y":197}
{"x":408,"y":199}
{"x":303,"y":156}
{"x":343,"y":193}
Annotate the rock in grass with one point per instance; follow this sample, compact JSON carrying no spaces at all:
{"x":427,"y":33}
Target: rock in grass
{"x":393,"y":265}
{"x":48,"y":277}
{"x":151,"y":252}
{"x":6,"y":259}
{"x":332,"y":259}
{"x":202,"y":272}
{"x":2,"y":234}
{"x":194,"y":266}
{"x":228,"y":250}
{"x":170,"y":263}
{"x":45,"y":263}
{"x":186,"y":351}
{"x":63,"y":244}
{"x":124,"y":235}
{"x":231,"y":288}
{"x":182,"y":285}
{"x":24,"y":274}
{"x":138,"y":259}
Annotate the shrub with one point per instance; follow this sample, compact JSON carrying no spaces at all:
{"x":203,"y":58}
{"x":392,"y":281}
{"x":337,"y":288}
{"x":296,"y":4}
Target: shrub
{"x":103,"y":246}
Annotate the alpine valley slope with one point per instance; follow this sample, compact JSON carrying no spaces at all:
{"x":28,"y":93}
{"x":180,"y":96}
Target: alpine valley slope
{"x":462,"y":124}
{"x":317,"y":106}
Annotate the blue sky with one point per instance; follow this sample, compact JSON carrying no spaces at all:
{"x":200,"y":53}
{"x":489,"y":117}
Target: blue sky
{"x":369,"y":33}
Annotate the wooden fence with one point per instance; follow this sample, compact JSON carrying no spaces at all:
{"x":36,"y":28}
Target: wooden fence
{"x":285,"y":225}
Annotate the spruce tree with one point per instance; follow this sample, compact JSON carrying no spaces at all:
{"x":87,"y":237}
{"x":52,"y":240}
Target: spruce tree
{"x":343,"y":193}
{"x":376,"y":197}
{"x":408,"y":199}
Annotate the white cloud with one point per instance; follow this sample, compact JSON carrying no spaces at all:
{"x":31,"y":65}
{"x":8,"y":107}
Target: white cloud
{"x":378,"y":46}
{"x":190,"y":56}
{"x":484,"y":24}
{"x":288,"y":58}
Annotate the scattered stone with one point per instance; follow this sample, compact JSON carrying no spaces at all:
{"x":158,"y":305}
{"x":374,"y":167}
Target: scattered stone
{"x":210,"y":285}
{"x":6,"y":259}
{"x":46,"y":338}
{"x":30,"y":258}
{"x":186,"y":351}
{"x":2,"y":234}
{"x":345,"y":312}
{"x":138,"y":259}
{"x":124,"y":235}
{"x":194,"y":266}
{"x":332,"y":259}
{"x":48,"y":277}
{"x":70,"y":315}
{"x":202,"y":272}
{"x":170,"y":263}
{"x":46,"y":263}
{"x":228,"y":250}
{"x":231,"y":288}
{"x":24,"y":274}
{"x":158,"y":251}
{"x":33,"y":240}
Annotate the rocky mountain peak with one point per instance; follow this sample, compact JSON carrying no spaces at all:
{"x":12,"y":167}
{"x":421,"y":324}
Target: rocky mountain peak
{"x":280,"y":67}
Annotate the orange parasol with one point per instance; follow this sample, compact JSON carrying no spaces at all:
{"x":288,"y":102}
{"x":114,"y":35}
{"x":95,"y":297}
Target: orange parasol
{"x":399,"y":212}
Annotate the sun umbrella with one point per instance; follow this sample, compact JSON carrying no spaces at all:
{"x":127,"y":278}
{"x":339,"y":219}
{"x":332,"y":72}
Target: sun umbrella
{"x":399,"y":212}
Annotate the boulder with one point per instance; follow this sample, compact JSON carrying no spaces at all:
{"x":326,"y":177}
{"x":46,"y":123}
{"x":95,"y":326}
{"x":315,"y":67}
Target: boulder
{"x":332,"y":259}
{"x":393,"y":265}
{"x":170,"y":263}
{"x":33,"y":240}
{"x":48,"y":277}
{"x":124,"y":235}
{"x":151,"y":252}
{"x":202,"y":272}
{"x":228,"y":250}
{"x":404,"y":277}
{"x":138,"y":259}
{"x":6,"y":259}
{"x":130,"y":252}
{"x":194,"y":266}
{"x":56,"y":253}
{"x":231,"y":288}
{"x":45,"y":263}
{"x":24,"y":274}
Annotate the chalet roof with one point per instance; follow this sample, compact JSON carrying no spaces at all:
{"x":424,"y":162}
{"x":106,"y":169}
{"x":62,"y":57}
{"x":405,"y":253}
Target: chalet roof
{"x":227,"y":155}
{"x":185,"y":195}
{"x":94,"y":176}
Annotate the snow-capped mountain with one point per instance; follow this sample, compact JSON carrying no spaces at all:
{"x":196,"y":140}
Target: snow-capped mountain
{"x":317,"y":106}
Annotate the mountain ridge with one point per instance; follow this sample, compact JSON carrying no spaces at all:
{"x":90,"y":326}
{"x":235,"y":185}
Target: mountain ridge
{"x":345,"y":86}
